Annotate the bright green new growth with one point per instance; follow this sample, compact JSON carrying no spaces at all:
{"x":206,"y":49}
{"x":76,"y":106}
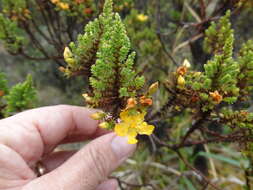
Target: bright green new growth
{"x":16,"y":6}
{"x":219,"y":37}
{"x":21,"y":96}
{"x":224,"y":79}
{"x":104,"y":49}
{"x":245,"y":61}
{"x":3,"y":90}
{"x":220,"y":73}
{"x":3,"y":84}
{"x":238,"y":118}
{"x":10,"y":34}
{"x":222,"y":70}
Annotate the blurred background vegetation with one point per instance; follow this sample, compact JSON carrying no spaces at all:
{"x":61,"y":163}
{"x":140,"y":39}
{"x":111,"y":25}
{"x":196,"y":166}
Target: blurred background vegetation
{"x":34,"y":33}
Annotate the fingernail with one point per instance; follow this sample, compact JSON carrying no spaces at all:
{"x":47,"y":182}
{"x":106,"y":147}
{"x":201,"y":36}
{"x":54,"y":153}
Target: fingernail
{"x":121,"y":148}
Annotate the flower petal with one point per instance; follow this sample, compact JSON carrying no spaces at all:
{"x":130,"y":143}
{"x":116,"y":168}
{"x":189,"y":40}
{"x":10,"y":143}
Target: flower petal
{"x":124,"y":116}
{"x":121,"y":129}
{"x":132,"y":132}
{"x":132,"y":140}
{"x":145,"y":129}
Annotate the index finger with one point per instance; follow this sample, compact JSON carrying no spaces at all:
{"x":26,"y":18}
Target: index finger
{"x":37,"y":131}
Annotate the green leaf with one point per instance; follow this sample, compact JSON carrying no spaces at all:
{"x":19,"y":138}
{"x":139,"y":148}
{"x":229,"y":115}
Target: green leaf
{"x":189,"y":184}
{"x":221,"y":158}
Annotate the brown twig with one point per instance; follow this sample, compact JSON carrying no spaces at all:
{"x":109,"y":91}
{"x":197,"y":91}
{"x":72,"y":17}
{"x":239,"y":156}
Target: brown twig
{"x":196,"y":171}
{"x":132,"y":185}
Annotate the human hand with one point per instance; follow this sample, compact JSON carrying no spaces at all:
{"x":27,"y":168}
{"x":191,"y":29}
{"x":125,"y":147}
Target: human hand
{"x":31,"y":136}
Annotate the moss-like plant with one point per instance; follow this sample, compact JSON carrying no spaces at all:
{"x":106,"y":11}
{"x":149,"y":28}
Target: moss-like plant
{"x":104,"y":51}
{"x":17,"y":98}
{"x":103,"y":54}
{"x":208,"y":95}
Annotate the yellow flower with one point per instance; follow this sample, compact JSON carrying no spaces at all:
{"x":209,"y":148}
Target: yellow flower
{"x":87,"y":98}
{"x":63,"y":6}
{"x":142,"y":17}
{"x":180,"y":80}
{"x":55,"y":1}
{"x":67,"y":53}
{"x":133,"y":124}
{"x":153,"y":88}
{"x":104,"y":125}
{"x":98,"y":115}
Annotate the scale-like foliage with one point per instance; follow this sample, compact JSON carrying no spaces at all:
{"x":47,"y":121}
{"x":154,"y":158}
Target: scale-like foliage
{"x":11,"y":35}
{"x":21,"y":96}
{"x":219,"y":37}
{"x":245,"y":78}
{"x":218,"y":82}
{"x":224,"y":79}
{"x":103,"y":52}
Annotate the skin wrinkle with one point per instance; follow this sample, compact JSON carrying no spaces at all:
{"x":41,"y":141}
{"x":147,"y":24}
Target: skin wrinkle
{"x":87,"y":180}
{"x":23,"y":136}
{"x":7,"y":152}
{"x":98,"y":170}
{"x":34,"y":123}
{"x":75,"y":126}
{"x":73,"y":123}
{"x":68,"y":117}
{"x":50,"y":141}
{"x":74,"y":136}
{"x":96,"y":155}
{"x":47,"y":146}
{"x":39,"y":143}
{"x":15,"y":184}
{"x":56,"y":159}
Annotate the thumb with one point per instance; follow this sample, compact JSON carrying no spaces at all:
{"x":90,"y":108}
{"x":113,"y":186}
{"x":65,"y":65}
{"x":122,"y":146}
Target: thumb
{"x":87,"y":168}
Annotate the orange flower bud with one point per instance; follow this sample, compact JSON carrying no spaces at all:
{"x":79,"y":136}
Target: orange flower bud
{"x":146,"y":101}
{"x":194,"y":98}
{"x":26,"y":12}
{"x":87,"y":11}
{"x":79,"y":1}
{"x":181,"y":70}
{"x":244,"y":113}
{"x":131,"y":102}
{"x":1,"y":93}
{"x":216,"y":96}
